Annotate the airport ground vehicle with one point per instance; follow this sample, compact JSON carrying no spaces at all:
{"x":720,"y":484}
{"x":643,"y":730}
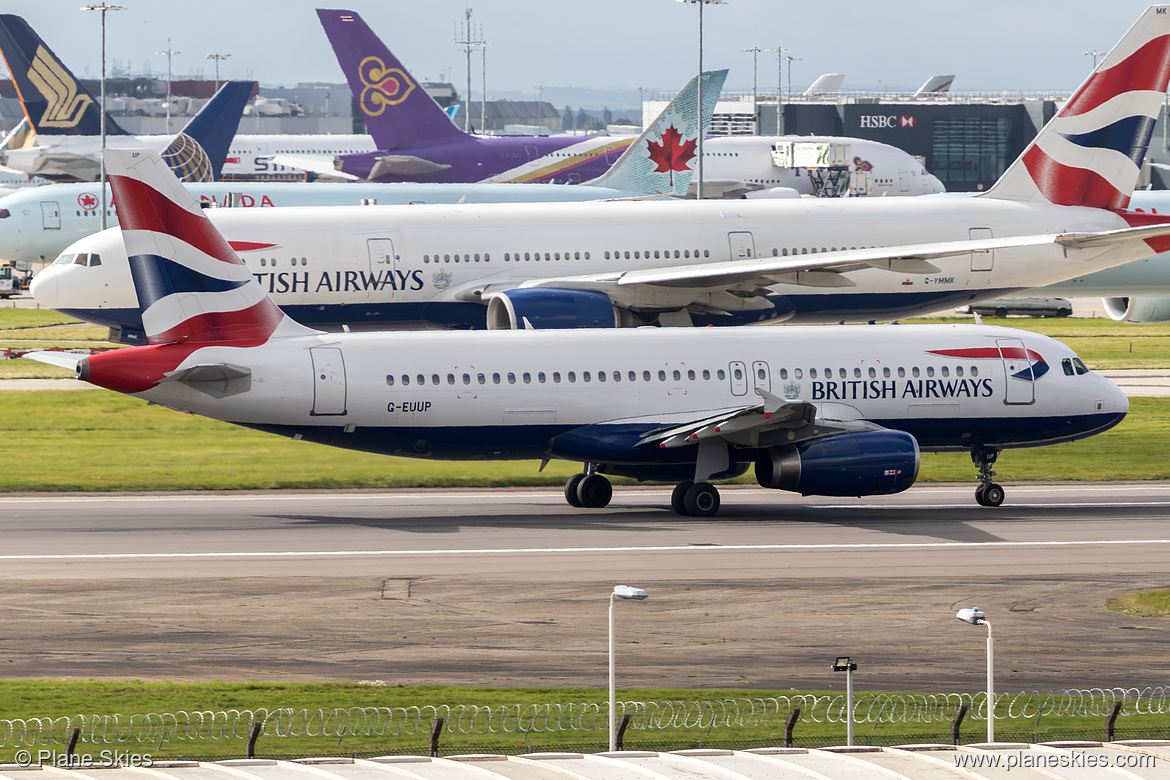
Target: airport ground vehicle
{"x":1027,"y":307}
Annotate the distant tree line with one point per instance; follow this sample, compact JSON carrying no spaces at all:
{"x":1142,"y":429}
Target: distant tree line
{"x":582,"y":120}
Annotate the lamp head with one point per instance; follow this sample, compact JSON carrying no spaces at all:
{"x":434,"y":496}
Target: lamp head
{"x":629,"y":592}
{"x":844,"y":664}
{"x":971,"y":615}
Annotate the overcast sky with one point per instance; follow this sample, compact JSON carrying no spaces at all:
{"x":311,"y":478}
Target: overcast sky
{"x":990,"y":45}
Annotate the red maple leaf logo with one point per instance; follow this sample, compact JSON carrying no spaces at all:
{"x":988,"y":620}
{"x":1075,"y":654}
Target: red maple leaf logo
{"x":671,"y":155}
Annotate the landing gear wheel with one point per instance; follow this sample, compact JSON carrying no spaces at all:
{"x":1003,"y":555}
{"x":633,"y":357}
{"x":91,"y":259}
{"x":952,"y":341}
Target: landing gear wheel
{"x":594,"y":491}
{"x":571,"y":490}
{"x":679,"y":496}
{"x":992,"y":495}
{"x":701,"y":500}
{"x":988,"y":493}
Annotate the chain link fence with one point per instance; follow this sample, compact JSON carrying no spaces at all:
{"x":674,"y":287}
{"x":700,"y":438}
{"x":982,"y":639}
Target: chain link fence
{"x":713,"y":718}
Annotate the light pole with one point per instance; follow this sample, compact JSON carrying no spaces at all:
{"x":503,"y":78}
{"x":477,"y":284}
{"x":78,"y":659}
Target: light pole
{"x":973,"y":616}
{"x":218,"y":59}
{"x":169,"y":52}
{"x":780,"y":52}
{"x":699,"y":108}
{"x":1094,"y":54}
{"x":103,"y":8}
{"x":755,"y":52}
{"x":790,"y":59}
{"x":846,"y":664}
{"x":619,"y":592}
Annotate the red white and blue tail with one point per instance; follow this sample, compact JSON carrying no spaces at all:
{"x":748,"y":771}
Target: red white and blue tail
{"x":1090,"y":153}
{"x":192,"y":287}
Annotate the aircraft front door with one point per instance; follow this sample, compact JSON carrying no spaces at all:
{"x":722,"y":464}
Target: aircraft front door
{"x":1020,"y":385}
{"x":50,"y":215}
{"x":328,"y":381}
{"x":743,"y":245}
{"x":903,"y":181}
{"x":985,"y":260}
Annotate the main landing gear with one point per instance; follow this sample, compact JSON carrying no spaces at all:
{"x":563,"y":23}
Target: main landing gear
{"x":988,"y":493}
{"x":695,"y":499}
{"x":589,"y":490}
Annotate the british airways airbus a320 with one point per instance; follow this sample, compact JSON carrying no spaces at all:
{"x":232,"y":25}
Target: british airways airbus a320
{"x":834,"y":411}
{"x":1059,"y":211}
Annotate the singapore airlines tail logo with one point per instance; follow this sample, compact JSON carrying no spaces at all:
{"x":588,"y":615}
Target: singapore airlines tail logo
{"x":65,"y":103}
{"x":383,"y":86}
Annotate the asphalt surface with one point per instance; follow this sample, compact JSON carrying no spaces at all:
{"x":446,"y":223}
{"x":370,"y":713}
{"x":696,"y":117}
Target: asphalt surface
{"x":511,"y":587}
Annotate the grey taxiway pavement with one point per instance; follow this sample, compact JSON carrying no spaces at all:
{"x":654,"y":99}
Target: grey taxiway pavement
{"x":511,"y":587}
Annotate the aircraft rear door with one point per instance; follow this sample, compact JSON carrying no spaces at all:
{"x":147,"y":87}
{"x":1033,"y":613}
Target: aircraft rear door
{"x":382,"y":262}
{"x":743,"y":245}
{"x":50,"y":215}
{"x":328,"y":381}
{"x":1020,"y":387}
{"x":985,"y":260}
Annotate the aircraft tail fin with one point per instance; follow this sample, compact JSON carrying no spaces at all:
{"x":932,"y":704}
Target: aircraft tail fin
{"x":661,"y":160}
{"x":397,"y":110}
{"x":200,"y":149}
{"x":936,"y":85}
{"x":192,"y":287}
{"x":53,"y":99}
{"x":1090,"y":153}
{"x":826,"y":84}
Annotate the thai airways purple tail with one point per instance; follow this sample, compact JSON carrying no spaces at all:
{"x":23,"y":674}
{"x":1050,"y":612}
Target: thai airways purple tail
{"x":397,"y":110}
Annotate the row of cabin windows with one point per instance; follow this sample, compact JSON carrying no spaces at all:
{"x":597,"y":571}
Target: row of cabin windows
{"x":547,"y":256}
{"x":638,"y":254}
{"x":872,"y":372}
{"x":265,"y":261}
{"x":466,"y":258}
{"x":804,"y":250}
{"x":554,"y":377}
{"x":662,"y":375}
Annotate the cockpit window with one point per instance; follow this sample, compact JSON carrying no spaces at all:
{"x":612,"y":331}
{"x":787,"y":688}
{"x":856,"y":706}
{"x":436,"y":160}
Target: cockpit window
{"x":64,"y":260}
{"x":81,"y":259}
{"x":1081,"y":367}
{"x":5,"y":214}
{"x":1067,"y":365}
{"x":1073,"y":366}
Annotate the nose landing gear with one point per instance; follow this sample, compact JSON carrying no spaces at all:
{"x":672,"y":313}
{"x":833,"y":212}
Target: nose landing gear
{"x":988,"y":493}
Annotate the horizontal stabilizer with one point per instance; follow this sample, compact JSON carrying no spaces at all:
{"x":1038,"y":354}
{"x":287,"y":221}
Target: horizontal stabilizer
{"x":67,"y":360}
{"x":217,"y":380}
{"x":404,"y":165}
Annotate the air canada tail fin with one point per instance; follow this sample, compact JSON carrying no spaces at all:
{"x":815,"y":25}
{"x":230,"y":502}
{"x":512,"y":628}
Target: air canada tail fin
{"x":661,"y":160}
{"x":200,"y":149}
{"x":54,"y":101}
{"x":192,"y":287}
{"x":397,"y":110}
{"x":1090,"y":153}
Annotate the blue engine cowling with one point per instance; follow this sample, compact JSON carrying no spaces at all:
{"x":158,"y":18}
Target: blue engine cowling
{"x":845,"y":464}
{"x":553,"y":307}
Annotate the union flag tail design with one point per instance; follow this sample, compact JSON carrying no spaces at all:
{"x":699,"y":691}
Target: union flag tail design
{"x":1090,"y":153}
{"x":192,"y":287}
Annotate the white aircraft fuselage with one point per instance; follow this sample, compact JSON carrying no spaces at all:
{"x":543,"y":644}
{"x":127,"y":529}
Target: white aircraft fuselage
{"x":379,"y":266}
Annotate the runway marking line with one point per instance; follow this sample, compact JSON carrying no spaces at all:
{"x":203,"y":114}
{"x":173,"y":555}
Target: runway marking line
{"x":556,"y":550}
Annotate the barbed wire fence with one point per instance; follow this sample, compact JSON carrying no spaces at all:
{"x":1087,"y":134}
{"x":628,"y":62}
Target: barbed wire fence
{"x":552,"y":718}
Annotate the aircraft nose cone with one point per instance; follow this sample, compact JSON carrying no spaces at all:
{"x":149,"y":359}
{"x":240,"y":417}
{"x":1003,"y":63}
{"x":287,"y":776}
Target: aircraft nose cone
{"x":44,"y":287}
{"x":932,"y":184}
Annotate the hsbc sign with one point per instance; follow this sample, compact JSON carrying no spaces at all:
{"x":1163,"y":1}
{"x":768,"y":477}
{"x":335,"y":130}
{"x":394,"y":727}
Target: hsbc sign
{"x":879,"y":122}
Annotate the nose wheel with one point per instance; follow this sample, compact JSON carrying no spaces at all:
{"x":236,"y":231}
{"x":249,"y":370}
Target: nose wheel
{"x":988,"y":493}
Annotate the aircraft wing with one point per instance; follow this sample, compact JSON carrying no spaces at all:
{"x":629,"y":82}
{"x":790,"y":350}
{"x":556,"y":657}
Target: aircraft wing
{"x":751,"y":276}
{"x":404,"y":165}
{"x":321,"y":166}
{"x":773,"y":421}
{"x":66,"y":164}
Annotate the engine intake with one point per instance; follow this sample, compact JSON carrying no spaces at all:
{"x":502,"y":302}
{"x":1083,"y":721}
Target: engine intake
{"x":1139,"y":311}
{"x":553,"y":307}
{"x":846,"y":464}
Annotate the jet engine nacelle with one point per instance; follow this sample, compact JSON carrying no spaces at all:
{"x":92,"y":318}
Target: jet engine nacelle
{"x":845,"y":464}
{"x":554,"y":307}
{"x":1138,"y":310}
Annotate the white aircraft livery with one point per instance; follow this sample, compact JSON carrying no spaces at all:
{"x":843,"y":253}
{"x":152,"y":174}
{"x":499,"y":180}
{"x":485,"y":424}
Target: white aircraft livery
{"x":1059,"y":211}
{"x":836,"y":411}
